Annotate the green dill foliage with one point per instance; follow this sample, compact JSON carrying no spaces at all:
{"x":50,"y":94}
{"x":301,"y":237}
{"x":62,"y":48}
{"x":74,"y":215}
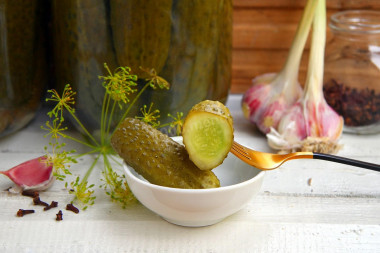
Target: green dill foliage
{"x":119,"y":86}
{"x":150,"y":116}
{"x":83,"y":192}
{"x":154,"y":80}
{"x":56,"y":155}
{"x":175,"y":127}
{"x":116,"y":187}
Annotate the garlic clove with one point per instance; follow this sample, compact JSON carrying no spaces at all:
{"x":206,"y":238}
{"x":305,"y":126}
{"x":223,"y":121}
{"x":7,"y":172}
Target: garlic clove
{"x":291,"y":130}
{"x":326,"y":122}
{"x":305,"y":121}
{"x":263,"y":104}
{"x":272,"y":113}
{"x":35,"y":174}
{"x":255,"y":97}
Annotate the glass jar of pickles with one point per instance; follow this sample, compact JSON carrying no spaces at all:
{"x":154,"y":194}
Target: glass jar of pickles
{"x":352,"y":70}
{"x":186,"y":42}
{"x":22,"y":62}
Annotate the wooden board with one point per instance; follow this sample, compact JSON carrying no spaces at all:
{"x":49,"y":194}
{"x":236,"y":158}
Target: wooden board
{"x":304,"y":206}
{"x":264,"y":30}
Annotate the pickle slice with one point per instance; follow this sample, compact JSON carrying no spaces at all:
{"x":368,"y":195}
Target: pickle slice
{"x":158,"y":158}
{"x":208,"y":134}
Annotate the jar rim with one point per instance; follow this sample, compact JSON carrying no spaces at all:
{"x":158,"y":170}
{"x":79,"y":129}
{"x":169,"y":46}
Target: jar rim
{"x":356,"y":21}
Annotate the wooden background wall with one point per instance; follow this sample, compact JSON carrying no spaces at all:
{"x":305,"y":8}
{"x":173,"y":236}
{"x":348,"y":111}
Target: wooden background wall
{"x":263,"y":31}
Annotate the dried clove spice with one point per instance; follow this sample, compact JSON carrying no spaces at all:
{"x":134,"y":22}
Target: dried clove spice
{"x":358,"y":107}
{"x":37,"y":201}
{"x":22,"y":212}
{"x":72,"y":208}
{"x":31,"y":194}
{"x":52,"y":205}
{"x":59,"y":216}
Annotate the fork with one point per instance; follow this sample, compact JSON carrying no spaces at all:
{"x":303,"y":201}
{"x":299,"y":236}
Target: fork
{"x":268,"y":161}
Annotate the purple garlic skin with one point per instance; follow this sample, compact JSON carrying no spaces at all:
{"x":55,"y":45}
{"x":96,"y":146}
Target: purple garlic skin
{"x":35,"y":174}
{"x":265,"y":102}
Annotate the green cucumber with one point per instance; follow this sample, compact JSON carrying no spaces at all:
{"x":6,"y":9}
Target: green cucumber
{"x":208,"y":134}
{"x":158,"y":158}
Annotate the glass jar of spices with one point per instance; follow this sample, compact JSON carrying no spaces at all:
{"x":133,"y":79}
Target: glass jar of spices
{"x":352,"y":70}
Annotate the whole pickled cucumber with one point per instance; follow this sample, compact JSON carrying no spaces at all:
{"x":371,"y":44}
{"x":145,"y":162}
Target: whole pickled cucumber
{"x":219,"y":89}
{"x":208,"y":134}
{"x":22,"y":62}
{"x":22,"y":53}
{"x":82,"y":44}
{"x":192,"y":54}
{"x":199,"y":60}
{"x":158,"y":158}
{"x":141,"y":33}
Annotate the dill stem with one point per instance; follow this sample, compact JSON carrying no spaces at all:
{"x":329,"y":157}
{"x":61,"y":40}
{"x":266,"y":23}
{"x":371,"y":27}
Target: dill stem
{"x":107,"y":118}
{"x":166,"y":124}
{"x":102,"y":117}
{"x":113,"y":158}
{"x":107,"y":164}
{"x":78,"y":141}
{"x":89,"y":171}
{"x":82,"y":126}
{"x":110,"y":117}
{"x":87,"y":153}
{"x":130,"y":106}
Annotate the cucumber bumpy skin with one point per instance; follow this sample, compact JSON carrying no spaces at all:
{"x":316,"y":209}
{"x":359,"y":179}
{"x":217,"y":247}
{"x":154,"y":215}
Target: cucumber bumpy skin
{"x":158,"y":158}
{"x":208,"y":134}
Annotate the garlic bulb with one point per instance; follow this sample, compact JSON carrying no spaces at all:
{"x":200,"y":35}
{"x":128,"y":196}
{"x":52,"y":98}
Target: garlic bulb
{"x":271,"y":95}
{"x":310,"y":124}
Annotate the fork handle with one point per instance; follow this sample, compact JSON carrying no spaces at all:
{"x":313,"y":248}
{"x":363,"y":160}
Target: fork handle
{"x":348,"y":161}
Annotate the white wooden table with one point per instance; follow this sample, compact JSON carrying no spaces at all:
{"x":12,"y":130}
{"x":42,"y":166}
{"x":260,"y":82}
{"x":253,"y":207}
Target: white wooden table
{"x":305,"y":206}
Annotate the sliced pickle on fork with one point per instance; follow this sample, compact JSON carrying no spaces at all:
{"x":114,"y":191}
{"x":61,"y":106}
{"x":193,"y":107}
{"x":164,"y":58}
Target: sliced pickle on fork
{"x":208,"y":134}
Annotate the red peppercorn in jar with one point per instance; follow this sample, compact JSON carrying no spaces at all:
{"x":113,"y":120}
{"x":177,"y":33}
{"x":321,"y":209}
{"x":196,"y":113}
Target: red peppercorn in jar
{"x":352,"y":70}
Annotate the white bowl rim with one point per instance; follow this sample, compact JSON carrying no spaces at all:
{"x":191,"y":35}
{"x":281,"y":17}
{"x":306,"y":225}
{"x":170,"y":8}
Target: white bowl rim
{"x":192,"y":191}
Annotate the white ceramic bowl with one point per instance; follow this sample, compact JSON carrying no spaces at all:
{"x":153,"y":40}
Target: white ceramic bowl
{"x":200,"y":207}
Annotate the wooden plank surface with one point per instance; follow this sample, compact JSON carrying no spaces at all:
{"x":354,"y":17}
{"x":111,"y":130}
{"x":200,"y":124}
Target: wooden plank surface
{"x":306,"y":206}
{"x":331,"y":4}
{"x":268,"y":224}
{"x":264,"y":30}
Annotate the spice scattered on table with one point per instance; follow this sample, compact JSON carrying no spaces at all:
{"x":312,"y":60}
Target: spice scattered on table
{"x":52,"y":205}
{"x":22,"y":212}
{"x":38,"y":202}
{"x":72,"y":208}
{"x":59,"y":216}
{"x":31,"y":194}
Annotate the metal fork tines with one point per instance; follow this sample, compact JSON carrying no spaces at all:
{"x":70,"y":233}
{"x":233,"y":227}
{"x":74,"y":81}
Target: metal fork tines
{"x":239,"y":150}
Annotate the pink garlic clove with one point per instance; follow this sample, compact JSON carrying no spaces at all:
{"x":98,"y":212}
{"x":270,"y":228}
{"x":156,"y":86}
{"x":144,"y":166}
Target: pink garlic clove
{"x":316,"y":120}
{"x":326,"y":122}
{"x":35,"y":174}
{"x":255,"y":97}
{"x":272,"y":114}
{"x":291,"y":130}
{"x":254,"y":101}
{"x":264,"y":104}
